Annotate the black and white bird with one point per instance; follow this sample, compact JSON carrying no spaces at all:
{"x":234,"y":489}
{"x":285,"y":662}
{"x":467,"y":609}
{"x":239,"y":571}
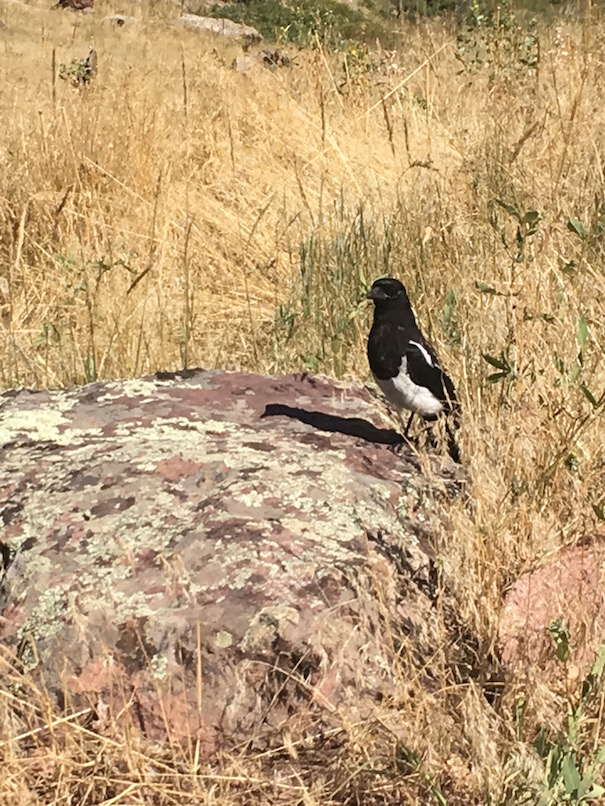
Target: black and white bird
{"x":404,"y":364}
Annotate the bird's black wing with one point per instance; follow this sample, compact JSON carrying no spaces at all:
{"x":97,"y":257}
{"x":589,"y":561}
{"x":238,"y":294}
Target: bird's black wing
{"x":424,"y":369}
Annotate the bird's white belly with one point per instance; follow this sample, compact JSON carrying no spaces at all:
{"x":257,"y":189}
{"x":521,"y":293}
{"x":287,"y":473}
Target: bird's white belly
{"x":403,"y":393}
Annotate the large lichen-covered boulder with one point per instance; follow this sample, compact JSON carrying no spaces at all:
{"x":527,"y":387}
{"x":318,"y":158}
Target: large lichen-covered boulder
{"x":211,"y":554}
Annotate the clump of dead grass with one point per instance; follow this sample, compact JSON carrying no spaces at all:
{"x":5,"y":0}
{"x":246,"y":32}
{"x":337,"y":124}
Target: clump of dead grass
{"x":178,"y":213}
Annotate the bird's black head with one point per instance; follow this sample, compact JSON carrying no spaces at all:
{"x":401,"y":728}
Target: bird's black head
{"x":387,"y":290}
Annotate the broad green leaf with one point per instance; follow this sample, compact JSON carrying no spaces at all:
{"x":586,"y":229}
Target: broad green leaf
{"x":532,"y":217}
{"x":499,"y":363}
{"x":511,"y":209}
{"x":571,"y":776}
{"x":495,"y":377}
{"x":573,"y":225}
{"x":585,"y":786}
{"x":553,"y":766}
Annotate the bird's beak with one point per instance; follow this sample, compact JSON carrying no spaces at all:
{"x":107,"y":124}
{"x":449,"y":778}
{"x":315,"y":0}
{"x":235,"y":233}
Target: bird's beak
{"x":376,"y":294}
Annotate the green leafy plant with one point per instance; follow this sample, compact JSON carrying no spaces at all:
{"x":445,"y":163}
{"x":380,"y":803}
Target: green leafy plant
{"x":410,"y":763}
{"x":413,"y":9}
{"x":493,"y":35}
{"x":571,"y":374}
{"x":336,"y":265}
{"x":526,"y":225}
{"x":560,"y":634}
{"x":507,"y":369}
{"x":80,"y":72}
{"x":305,"y":23}
{"x":574,"y":762}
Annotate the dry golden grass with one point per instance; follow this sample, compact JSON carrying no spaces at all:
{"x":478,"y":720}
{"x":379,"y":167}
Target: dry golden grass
{"x":177,"y":212}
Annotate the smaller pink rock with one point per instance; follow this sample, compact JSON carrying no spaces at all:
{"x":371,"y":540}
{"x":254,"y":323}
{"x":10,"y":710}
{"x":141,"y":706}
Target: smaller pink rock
{"x":570,"y":587}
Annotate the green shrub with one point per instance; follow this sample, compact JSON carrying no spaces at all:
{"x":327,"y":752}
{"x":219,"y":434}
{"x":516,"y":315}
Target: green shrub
{"x":304,"y":22}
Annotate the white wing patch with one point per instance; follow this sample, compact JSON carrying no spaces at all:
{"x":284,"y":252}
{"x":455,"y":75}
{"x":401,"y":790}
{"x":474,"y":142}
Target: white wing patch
{"x":425,"y":353}
{"x":403,"y":393}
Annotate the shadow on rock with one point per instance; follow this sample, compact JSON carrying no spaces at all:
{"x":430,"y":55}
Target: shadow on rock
{"x":350,"y":426}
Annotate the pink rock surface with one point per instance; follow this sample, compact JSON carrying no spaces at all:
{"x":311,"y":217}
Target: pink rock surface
{"x":569,"y":586}
{"x":208,"y":554}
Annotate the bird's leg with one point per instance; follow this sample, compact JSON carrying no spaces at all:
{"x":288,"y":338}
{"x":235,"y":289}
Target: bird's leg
{"x":398,"y":447}
{"x":407,"y":428}
{"x":431,"y":440}
{"x":452,"y":445}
